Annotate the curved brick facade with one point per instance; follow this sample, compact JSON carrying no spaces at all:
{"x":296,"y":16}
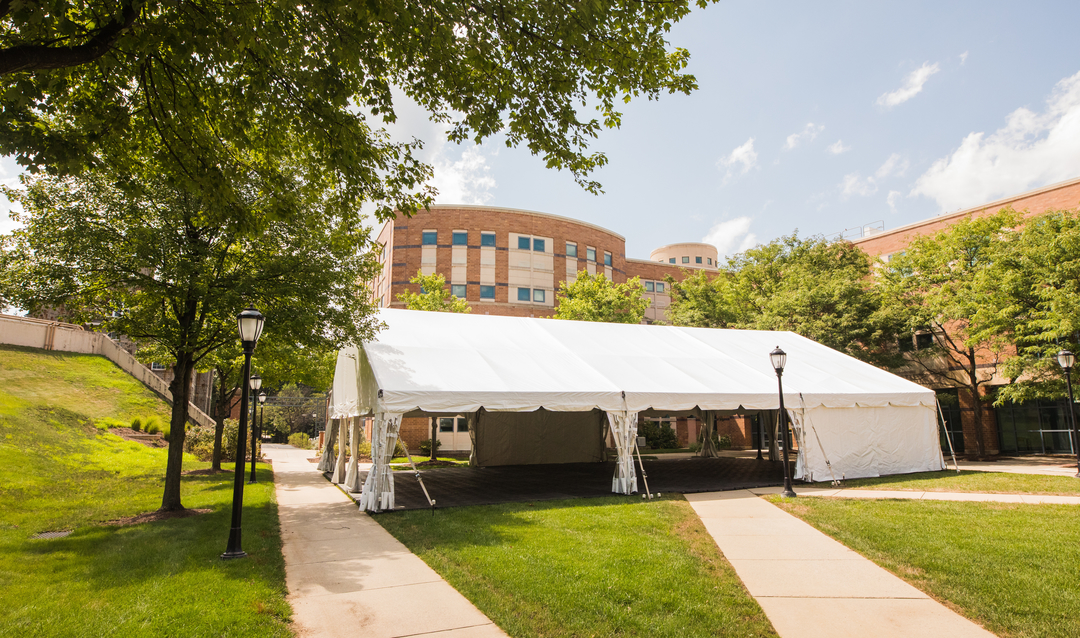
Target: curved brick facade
{"x":507,"y":261}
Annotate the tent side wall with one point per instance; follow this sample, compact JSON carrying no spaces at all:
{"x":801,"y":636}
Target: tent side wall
{"x":530,"y":438}
{"x":865,"y":442}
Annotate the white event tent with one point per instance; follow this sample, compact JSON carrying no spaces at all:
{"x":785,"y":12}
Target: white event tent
{"x":545,"y":390}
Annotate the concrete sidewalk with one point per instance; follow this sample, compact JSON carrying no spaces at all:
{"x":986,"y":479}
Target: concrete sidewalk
{"x":811,"y":586}
{"x":981,"y":497}
{"x":347,"y":576}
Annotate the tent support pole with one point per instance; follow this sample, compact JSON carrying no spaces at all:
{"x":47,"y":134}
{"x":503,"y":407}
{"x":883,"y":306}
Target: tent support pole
{"x":644,"y":476}
{"x":419,"y":479}
{"x":948,"y":437}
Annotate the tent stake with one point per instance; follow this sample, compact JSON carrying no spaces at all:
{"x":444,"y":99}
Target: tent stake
{"x":948,"y":437}
{"x":416,"y":472}
{"x":644,"y":476}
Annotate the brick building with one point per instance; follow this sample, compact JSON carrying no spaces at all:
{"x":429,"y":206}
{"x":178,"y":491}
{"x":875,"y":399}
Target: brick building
{"x":505,"y":261}
{"x":1034,"y":427}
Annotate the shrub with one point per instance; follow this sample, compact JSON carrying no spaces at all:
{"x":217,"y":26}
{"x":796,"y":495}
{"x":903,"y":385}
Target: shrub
{"x":106,"y":424}
{"x":300,"y":440}
{"x":658,"y":435}
{"x":695,"y":447}
{"x":724,"y":442}
{"x":200,"y":442}
{"x":425,"y":446}
{"x":136,"y":424}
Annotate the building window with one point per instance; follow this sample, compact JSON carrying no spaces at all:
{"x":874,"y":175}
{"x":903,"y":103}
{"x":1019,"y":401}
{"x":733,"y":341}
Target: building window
{"x":487,"y":292}
{"x":649,"y":286}
{"x":524,"y":243}
{"x":659,"y":287}
{"x":487,"y":239}
{"x":671,"y":261}
{"x":458,"y":290}
{"x":523,"y":294}
{"x":685,"y":260}
{"x":590,"y":254}
{"x":538,"y":295}
{"x":710,"y":260}
{"x":924,"y":340}
{"x":461,"y":238}
{"x":157,"y":366}
{"x":571,"y":249}
{"x":607,"y":259}
{"x":538,"y":245}
{"x":697,"y":260}
{"x":906,"y":344}
{"x":446,"y":424}
{"x":431,"y":238}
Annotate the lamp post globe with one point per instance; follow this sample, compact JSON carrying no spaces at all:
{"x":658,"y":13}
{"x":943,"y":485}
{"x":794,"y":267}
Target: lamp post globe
{"x":778,"y":359}
{"x":1066,"y":360}
{"x":249,"y":323}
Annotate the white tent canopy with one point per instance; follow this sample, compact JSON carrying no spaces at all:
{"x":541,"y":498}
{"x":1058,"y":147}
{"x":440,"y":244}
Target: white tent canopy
{"x":868,"y":421}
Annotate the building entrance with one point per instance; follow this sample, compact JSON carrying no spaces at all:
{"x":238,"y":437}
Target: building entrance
{"x":453,"y":433}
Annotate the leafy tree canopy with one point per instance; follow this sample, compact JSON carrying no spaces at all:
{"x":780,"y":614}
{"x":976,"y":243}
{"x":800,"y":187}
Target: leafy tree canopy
{"x":597,"y":298}
{"x":433,"y":295}
{"x":228,"y":88}
{"x":816,"y":288}
{"x":170,"y":271}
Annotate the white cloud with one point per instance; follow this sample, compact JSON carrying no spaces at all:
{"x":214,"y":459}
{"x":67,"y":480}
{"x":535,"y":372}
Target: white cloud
{"x":913,"y":84}
{"x":891,"y":199}
{"x":1031,"y":150}
{"x":838,"y":147}
{"x":9,"y":176}
{"x":808,"y":134}
{"x":855,"y":184}
{"x":895,"y":165}
{"x":739,"y":161}
{"x":963,"y":58}
{"x":466,"y":180}
{"x":731,"y":236}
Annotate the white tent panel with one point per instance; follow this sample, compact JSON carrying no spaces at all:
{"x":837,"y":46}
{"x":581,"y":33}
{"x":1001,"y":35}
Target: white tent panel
{"x":867,"y":441}
{"x":344,"y":401}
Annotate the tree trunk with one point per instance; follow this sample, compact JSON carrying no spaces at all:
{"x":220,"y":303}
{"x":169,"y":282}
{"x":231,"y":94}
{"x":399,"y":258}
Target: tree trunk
{"x":973,"y":383}
{"x":181,"y":391}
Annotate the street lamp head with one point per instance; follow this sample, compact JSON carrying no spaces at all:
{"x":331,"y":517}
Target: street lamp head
{"x":779,"y":359}
{"x":250,"y":324}
{"x":262,"y":397}
{"x":1066,"y":359}
{"x":255,"y":382}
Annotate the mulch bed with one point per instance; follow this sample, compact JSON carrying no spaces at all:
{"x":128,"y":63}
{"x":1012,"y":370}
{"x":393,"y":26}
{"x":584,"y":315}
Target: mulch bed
{"x":149,"y":440}
{"x":158,"y":515}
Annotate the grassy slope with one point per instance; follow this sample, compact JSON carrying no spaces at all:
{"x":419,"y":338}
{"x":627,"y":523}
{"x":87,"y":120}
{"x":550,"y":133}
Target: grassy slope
{"x":58,"y":472}
{"x":1010,"y":567}
{"x":586,"y":567}
{"x":970,"y":481}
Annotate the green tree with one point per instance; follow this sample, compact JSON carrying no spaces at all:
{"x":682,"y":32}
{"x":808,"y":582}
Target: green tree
{"x":433,"y":295}
{"x":1032,"y":300}
{"x":597,"y":298}
{"x":938,"y":286}
{"x":816,"y":288}
{"x":223,"y":89}
{"x":171,"y":271}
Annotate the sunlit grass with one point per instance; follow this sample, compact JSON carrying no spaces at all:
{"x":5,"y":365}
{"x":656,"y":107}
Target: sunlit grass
{"x":970,"y":481}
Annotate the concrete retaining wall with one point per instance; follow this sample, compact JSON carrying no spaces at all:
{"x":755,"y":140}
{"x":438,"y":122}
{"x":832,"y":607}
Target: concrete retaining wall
{"x":67,"y":337}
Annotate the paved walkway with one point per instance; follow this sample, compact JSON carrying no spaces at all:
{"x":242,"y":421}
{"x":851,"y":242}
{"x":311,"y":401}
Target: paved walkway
{"x":984,"y":497}
{"x":347,"y":576}
{"x":811,"y":586}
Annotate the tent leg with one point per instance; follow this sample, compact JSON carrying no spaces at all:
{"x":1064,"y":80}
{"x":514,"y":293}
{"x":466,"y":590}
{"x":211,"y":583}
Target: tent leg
{"x":339,"y":467}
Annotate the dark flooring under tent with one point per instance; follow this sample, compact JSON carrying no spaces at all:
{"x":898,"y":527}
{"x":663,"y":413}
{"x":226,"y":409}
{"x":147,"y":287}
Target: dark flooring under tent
{"x":456,"y":487}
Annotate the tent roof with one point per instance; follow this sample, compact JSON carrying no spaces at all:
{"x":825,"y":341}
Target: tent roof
{"x":446,"y":362}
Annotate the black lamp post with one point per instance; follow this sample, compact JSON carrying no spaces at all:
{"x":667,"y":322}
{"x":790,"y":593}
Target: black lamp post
{"x":250,"y":324}
{"x":779,"y":359}
{"x":255,"y":382}
{"x":1066,"y":360}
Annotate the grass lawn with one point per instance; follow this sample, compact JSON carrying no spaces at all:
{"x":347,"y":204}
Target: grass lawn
{"x":586,"y":567}
{"x":1011,"y":567}
{"x":57,"y":472}
{"x":969,"y":481}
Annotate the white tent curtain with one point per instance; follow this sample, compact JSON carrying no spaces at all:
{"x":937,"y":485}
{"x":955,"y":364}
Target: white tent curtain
{"x":378,"y":492}
{"x":624,"y":431}
{"x":339,"y":466}
{"x":708,"y":448}
{"x":326,"y":462}
{"x":473,"y":419}
{"x":352,"y":477}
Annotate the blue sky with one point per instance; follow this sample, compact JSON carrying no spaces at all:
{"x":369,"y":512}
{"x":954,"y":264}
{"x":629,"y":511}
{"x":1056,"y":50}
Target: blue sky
{"x":812,"y":116}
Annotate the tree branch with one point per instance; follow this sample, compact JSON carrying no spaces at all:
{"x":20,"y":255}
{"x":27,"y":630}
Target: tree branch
{"x":36,"y":57}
